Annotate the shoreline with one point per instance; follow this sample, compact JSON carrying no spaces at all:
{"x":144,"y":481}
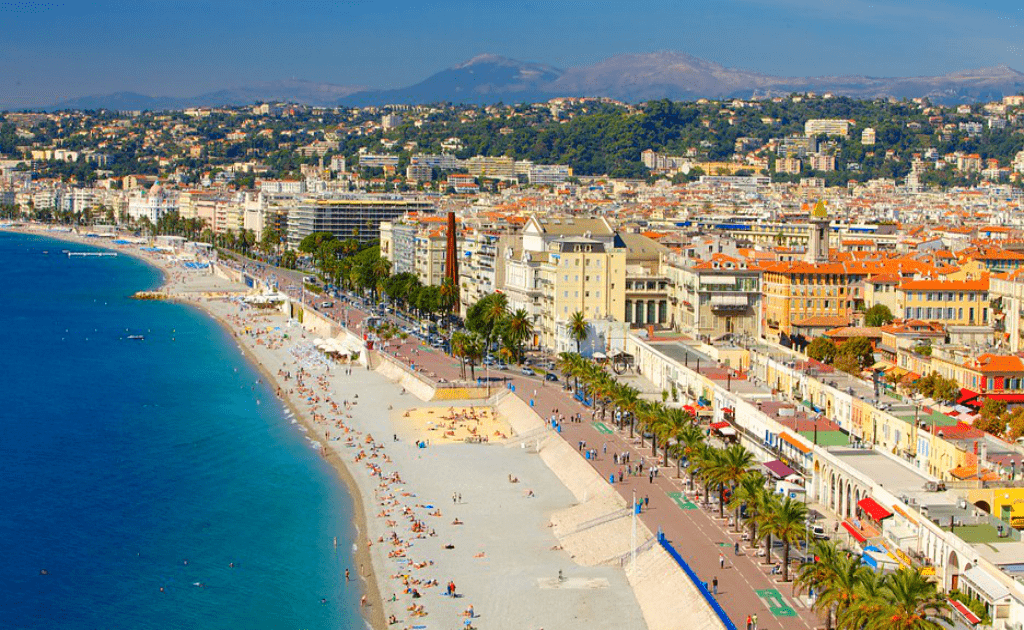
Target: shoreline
{"x":591,"y":558}
{"x":373,"y":613}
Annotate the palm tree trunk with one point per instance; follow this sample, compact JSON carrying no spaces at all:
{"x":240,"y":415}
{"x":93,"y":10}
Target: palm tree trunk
{"x":721,"y":500}
{"x":785,"y":562}
{"x":768,"y":548}
{"x":737,"y":527}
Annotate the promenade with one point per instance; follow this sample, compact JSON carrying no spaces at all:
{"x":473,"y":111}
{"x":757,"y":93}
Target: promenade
{"x":706,"y":542}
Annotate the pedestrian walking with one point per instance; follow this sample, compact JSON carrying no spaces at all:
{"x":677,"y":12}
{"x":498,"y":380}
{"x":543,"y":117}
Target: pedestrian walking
{"x":749,"y":622}
{"x":714,"y":585}
{"x":736,"y":548}
{"x":721,"y":560}
{"x":754,"y":624}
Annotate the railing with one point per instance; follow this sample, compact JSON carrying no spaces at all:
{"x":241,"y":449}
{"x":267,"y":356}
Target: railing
{"x":724,"y":618}
{"x":624,"y":559}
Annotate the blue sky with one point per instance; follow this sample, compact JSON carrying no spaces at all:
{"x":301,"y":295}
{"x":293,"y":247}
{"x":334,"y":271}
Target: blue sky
{"x":62,"y":49}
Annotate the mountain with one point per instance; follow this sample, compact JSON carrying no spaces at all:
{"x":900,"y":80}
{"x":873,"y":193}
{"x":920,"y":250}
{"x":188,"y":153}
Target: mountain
{"x":287,"y":91}
{"x":481,"y":80}
{"x":635,"y":78}
{"x":631,"y":78}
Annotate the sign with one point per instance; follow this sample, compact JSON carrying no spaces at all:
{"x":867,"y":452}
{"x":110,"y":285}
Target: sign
{"x":1017,"y":522}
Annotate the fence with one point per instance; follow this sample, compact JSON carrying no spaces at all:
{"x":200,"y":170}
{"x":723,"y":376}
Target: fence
{"x":724,"y":618}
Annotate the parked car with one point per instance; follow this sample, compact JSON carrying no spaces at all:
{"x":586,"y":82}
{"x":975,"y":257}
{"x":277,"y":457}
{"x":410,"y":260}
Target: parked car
{"x":326,"y":304}
{"x":527,"y":371}
{"x":819,"y":533}
{"x":501,"y":366}
{"x":551,"y":377}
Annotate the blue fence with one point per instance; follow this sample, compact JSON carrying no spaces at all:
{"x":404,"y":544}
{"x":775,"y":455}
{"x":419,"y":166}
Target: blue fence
{"x":724,"y":618}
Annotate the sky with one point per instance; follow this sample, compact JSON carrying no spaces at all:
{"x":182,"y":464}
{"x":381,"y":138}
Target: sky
{"x":51,"y":51}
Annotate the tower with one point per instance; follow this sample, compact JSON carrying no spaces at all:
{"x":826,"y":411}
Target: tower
{"x":451,"y":262}
{"x":817,"y":244}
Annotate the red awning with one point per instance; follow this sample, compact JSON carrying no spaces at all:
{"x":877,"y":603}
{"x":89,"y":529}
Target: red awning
{"x":965,"y":611}
{"x":726,"y":409}
{"x":965,"y":395}
{"x":718,"y":425}
{"x":873,"y":509}
{"x":859,"y":537}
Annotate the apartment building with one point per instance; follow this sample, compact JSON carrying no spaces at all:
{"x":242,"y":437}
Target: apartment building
{"x":714,"y":297}
{"x":492,"y":167}
{"x":348,"y":216}
{"x":950,"y":302}
{"x":828,"y":126}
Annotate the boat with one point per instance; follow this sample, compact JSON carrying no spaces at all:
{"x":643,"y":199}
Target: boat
{"x":136,"y":337}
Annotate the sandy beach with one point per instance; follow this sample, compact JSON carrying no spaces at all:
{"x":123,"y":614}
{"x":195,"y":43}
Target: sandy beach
{"x":452,"y":532}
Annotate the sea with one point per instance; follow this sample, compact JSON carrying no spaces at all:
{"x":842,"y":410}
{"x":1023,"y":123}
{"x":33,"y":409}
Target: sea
{"x":151,"y":484}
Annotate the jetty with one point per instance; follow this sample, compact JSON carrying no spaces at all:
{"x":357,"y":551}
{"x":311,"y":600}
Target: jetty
{"x":96,"y":254}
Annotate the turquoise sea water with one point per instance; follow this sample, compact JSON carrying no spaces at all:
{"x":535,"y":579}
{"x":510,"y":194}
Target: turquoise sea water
{"x":127,"y":466}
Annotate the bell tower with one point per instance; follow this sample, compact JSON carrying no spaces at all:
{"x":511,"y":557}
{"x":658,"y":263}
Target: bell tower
{"x":817,"y":244}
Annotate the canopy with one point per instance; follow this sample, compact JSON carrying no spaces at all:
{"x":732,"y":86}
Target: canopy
{"x":873,"y":509}
{"x":780,"y":470}
{"x":859,"y":537}
{"x":599,"y":355}
{"x":718,"y":425}
{"x":965,"y":611}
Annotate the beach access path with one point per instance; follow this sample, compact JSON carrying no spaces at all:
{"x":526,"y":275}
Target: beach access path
{"x":745,"y":585}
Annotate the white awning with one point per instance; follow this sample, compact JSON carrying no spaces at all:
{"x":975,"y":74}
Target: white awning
{"x":986,"y":585}
{"x":727,"y":431}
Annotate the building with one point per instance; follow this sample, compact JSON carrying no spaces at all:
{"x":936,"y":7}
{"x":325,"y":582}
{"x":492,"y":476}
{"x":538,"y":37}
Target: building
{"x":430,"y":254}
{"x":950,"y":302}
{"x":819,"y":162}
{"x":492,"y":167}
{"x":827,"y":126}
{"x":390,"y":121}
{"x":788,"y":165}
{"x":378,"y":160}
{"x":348,"y":216}
{"x":419,"y":173}
{"x":713,"y":297}
{"x":867,"y":137}
{"x":548,"y":174}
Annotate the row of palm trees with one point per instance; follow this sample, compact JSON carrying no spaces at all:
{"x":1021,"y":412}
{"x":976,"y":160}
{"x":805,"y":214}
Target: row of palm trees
{"x":852,"y":596}
{"x":769,"y":518}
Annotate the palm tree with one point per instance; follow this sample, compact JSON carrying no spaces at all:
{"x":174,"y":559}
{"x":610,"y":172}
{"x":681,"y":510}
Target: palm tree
{"x":459,"y":347}
{"x":676,"y":421}
{"x":909,"y":602}
{"x":867,"y":602}
{"x":736,"y":462}
{"x":628,"y":401}
{"x":767,"y":506}
{"x":649,"y":419}
{"x":578,"y":330}
{"x":788,"y":524}
{"x":746,"y":494}
{"x":688,"y":440}
{"x":834,"y":575}
{"x":707,"y":464}
{"x":519,"y":328}
{"x":494,"y":312}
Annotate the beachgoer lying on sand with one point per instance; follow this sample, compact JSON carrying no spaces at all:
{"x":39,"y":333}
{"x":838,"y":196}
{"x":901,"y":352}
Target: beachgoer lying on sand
{"x":449,"y":546}
{"x":456,"y":521}
{"x":480,"y":555}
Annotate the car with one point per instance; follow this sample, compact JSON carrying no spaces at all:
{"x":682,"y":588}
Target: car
{"x":326,"y":304}
{"x":526,"y":371}
{"x":550,"y":377}
{"x":501,"y":366}
{"x":819,"y":533}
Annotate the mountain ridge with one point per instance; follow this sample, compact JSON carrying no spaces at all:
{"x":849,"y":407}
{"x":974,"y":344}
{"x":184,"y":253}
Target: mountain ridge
{"x":632,"y":77}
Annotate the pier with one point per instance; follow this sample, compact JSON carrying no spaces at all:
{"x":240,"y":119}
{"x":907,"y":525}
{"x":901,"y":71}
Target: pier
{"x":70,"y":254}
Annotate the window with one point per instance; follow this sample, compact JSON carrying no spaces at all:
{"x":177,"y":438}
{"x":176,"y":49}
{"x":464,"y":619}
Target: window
{"x":960,"y":313}
{"x":990,"y":383}
{"x":598,"y":294}
{"x":928,"y":313}
{"x":577,"y":294}
{"x":586,"y":294}
{"x":566,"y":277}
{"x":565,"y":294}
{"x":949,"y":312}
{"x":598,"y":264}
{"x":597,"y":278}
{"x":909,"y":313}
{"x":577,"y":279}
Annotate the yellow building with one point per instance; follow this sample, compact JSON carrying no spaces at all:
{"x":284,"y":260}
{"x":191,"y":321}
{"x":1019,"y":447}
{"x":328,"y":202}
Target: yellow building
{"x":581,"y":275}
{"x":951,"y":302}
{"x":796,"y":291}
